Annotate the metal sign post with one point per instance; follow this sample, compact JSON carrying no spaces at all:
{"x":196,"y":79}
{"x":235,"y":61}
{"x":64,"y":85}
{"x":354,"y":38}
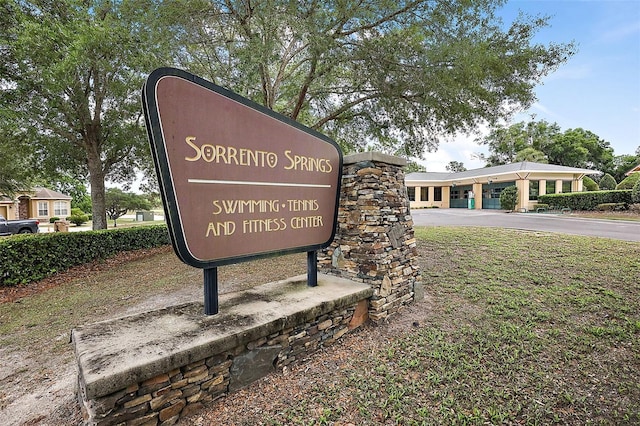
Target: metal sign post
{"x":210,"y":291}
{"x":312,"y":268}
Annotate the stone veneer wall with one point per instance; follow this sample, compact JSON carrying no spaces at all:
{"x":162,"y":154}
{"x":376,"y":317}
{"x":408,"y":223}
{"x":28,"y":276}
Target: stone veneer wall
{"x":374,"y":240}
{"x":163,"y":399}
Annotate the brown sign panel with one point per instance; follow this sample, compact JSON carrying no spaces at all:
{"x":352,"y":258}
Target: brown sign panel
{"x":238,"y":181}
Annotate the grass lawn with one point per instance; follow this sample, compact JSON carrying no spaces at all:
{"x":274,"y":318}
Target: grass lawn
{"x":536,"y":328}
{"x":522,"y":328}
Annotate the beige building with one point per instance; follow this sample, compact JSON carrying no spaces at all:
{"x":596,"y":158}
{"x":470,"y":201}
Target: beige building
{"x":481,"y":188}
{"x":41,"y":204}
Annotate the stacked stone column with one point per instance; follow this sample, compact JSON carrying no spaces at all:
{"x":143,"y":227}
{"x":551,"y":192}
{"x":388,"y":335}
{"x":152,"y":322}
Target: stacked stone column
{"x":374,"y":240}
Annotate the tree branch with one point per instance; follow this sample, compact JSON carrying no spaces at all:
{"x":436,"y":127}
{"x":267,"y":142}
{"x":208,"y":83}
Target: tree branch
{"x":344,"y":108}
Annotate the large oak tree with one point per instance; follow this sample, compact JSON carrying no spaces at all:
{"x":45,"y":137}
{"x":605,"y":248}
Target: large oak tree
{"x":393,"y":74}
{"x":70,"y":74}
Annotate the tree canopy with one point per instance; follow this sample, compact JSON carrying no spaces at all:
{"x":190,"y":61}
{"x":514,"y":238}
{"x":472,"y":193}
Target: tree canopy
{"x":15,"y":163}
{"x":542,"y":142}
{"x":623,"y":163}
{"x":119,"y":203}
{"x":455,"y":166}
{"x":71,"y":73}
{"x":396,"y":75}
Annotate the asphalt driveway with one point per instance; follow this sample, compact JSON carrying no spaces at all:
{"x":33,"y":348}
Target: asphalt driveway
{"x":567,"y":224}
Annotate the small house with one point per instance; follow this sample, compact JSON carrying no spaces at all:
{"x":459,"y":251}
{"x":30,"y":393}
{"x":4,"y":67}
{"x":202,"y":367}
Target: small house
{"x":41,"y":204}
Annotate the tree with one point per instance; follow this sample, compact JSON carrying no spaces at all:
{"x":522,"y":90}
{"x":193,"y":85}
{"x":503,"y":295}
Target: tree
{"x":607,"y":182}
{"x":509,"y":198}
{"x":580,"y":148}
{"x":118,"y":203}
{"x":71,"y":73}
{"x":544,"y":142}
{"x":14,"y":163}
{"x":393,"y":74}
{"x":531,"y":154}
{"x":412,"y":167}
{"x":622,"y":164}
{"x":455,"y":166}
{"x":519,"y":142}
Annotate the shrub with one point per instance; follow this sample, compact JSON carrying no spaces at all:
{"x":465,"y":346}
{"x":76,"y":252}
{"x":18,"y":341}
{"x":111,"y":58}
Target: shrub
{"x":53,"y":219}
{"x":629,"y":181}
{"x":607,"y":182}
{"x":635,"y":192}
{"x":540,"y":206}
{"x":589,"y":184}
{"x":509,"y":198}
{"x":78,"y":217}
{"x":26,"y":258}
{"x":586,"y":200}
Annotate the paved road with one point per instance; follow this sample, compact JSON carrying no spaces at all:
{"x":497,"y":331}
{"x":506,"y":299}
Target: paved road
{"x":616,"y":229}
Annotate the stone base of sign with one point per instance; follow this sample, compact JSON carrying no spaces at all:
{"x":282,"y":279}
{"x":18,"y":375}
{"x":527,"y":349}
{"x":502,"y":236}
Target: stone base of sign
{"x":155,"y":367}
{"x":374,"y":241}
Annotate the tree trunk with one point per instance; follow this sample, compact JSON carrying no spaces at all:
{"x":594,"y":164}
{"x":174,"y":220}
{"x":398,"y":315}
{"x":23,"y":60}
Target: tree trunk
{"x":96,"y":180}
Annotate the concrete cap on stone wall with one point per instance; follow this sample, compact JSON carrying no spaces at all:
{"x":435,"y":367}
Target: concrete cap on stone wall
{"x":114,"y":354}
{"x":374,"y":156}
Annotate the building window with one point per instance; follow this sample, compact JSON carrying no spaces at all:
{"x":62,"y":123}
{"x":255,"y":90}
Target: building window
{"x":43,"y":208}
{"x":424,"y":194}
{"x":534,"y":189}
{"x":566,"y":186}
{"x":455,"y":194}
{"x":60,"y":208}
{"x":551,"y":187}
{"x":411,"y":191}
{"x":437,"y":193}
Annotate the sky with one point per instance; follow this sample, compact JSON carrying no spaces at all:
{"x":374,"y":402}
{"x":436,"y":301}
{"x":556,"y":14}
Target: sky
{"x":597,"y":89}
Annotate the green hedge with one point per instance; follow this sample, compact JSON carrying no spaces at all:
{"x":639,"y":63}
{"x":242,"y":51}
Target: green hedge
{"x":629,"y":181}
{"x":26,"y":258}
{"x":585,"y":200}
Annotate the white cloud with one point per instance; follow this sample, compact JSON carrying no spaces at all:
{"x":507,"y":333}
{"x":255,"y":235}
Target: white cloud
{"x":620,"y":32}
{"x":538,"y":106}
{"x":461,"y":148}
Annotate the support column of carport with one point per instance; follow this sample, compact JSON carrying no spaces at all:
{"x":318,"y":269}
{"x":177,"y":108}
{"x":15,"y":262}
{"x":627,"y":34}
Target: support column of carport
{"x":477,"y":194}
{"x":374,"y":240}
{"x":523,"y":194}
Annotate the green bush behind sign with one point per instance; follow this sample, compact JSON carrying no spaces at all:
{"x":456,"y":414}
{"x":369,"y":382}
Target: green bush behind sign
{"x":27,"y":258}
